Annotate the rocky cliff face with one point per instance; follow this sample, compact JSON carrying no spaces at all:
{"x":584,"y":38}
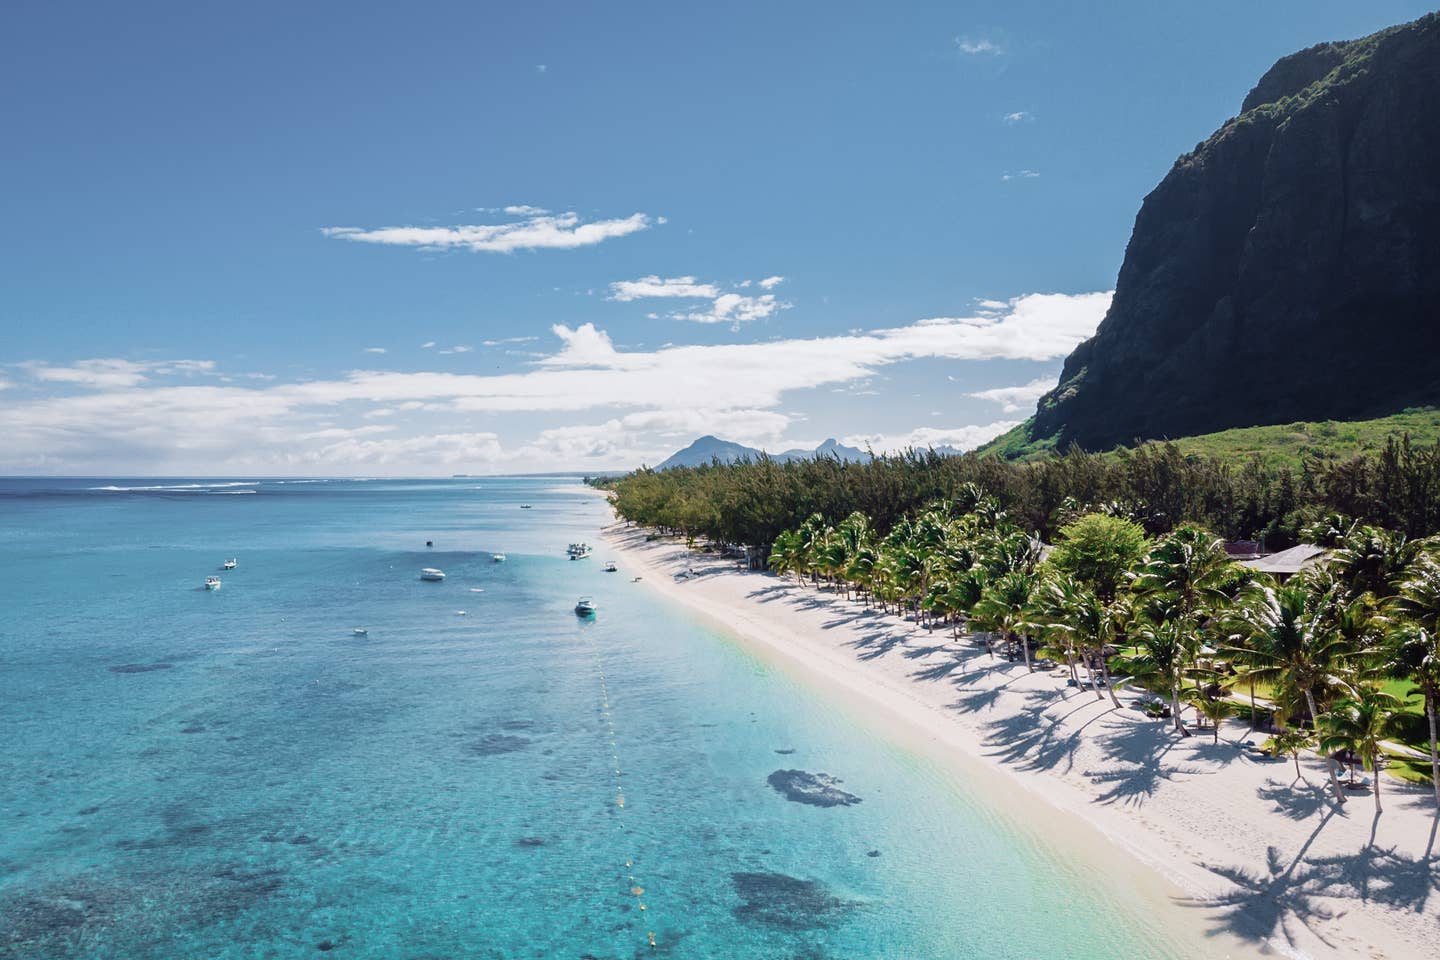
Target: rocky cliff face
{"x":1288,"y":268}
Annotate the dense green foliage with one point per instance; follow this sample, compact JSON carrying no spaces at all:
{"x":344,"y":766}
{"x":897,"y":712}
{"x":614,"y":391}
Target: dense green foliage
{"x":1132,"y":584}
{"x":1281,"y":445}
{"x":1157,"y":485}
{"x":1176,"y":615}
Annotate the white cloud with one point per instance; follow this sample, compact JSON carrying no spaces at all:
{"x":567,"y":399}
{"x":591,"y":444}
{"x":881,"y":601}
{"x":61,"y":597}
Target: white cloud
{"x":1019,"y":116}
{"x":1022,"y":175}
{"x":562,"y":231}
{"x":6,"y":384}
{"x":922,"y":438}
{"x":735,"y":308}
{"x":374,"y":349}
{"x":108,"y":372}
{"x":525,"y":210}
{"x":1019,"y":397}
{"x":653,"y":286}
{"x":978,"y":46}
{"x":427,"y":345}
{"x":735,"y":388}
{"x":456,"y":349}
{"x":732,"y":308}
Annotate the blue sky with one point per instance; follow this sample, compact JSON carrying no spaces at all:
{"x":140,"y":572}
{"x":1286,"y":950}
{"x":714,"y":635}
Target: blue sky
{"x":218,"y":215}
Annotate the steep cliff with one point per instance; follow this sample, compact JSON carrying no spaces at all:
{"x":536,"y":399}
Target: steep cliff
{"x":1286,"y":269}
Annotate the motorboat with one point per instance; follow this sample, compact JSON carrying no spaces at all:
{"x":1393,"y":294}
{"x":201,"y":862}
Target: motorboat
{"x":578,"y":551}
{"x":585,"y":607}
{"x":229,"y":564}
{"x":430,"y":573}
{"x":360,"y":631}
{"x":525,"y":506}
{"x":497,"y":557}
{"x":212,"y":583}
{"x":610,"y":566}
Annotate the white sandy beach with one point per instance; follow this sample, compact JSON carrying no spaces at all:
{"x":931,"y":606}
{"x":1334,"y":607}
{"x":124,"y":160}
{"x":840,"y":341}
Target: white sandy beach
{"x":1261,"y":858}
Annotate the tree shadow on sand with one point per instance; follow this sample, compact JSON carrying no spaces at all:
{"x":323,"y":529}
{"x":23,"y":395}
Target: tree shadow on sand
{"x":1034,"y":741}
{"x":1277,"y":902}
{"x":1141,"y":753}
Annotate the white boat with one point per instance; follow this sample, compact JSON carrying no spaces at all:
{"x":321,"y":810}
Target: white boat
{"x":585,"y":607}
{"x":430,"y":573}
{"x":497,"y":557}
{"x":361,"y":631}
{"x":578,"y":551}
{"x":229,"y":564}
{"x":524,"y":506}
{"x":212,"y":583}
{"x":610,"y":566}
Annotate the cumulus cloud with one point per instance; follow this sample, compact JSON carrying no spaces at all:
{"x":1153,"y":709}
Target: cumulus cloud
{"x":537,"y":231}
{"x":725,"y":307}
{"x":922,"y":438}
{"x":1019,"y":397}
{"x":1022,"y":175}
{"x":653,"y":286}
{"x":978,"y":46}
{"x":374,"y":349}
{"x":1019,"y":116}
{"x":737,"y":389}
{"x":103,"y":372}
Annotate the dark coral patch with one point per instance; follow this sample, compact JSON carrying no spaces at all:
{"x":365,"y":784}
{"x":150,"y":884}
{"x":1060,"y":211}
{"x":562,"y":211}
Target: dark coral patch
{"x":815,"y":789}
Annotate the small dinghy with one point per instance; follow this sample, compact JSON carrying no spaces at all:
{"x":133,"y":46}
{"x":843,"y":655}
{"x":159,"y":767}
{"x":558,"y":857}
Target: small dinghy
{"x":212,"y":583}
{"x":431,"y":573}
{"x":610,"y":566}
{"x":360,"y":631}
{"x":229,"y":564}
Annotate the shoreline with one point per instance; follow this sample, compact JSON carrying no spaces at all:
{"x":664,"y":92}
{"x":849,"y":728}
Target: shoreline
{"x":1255,"y":864}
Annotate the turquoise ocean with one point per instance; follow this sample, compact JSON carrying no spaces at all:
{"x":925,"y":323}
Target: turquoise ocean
{"x":237,"y":774}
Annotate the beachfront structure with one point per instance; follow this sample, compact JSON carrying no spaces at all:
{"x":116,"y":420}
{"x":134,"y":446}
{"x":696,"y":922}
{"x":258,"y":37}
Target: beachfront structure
{"x":1285,"y":564}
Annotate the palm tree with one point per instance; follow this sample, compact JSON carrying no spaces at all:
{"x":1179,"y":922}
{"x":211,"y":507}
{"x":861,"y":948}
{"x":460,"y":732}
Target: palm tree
{"x":1416,"y":657}
{"x":1191,"y":568}
{"x":1291,"y":645}
{"x":1360,"y":724}
{"x":787,"y":554}
{"x":1213,"y":708}
{"x":1077,"y":615}
{"x":1371,"y":558}
{"x":1004,"y":607}
{"x":1292,"y":741}
{"x":1161,"y":660}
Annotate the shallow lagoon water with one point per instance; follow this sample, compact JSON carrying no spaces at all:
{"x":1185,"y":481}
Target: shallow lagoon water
{"x":236,"y":774}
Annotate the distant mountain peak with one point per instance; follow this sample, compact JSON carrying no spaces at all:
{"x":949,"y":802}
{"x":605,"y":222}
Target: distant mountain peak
{"x":709,"y":448}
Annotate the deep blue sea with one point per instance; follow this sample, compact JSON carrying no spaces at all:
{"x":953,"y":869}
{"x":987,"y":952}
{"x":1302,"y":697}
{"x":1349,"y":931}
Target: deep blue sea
{"x":236,"y":774}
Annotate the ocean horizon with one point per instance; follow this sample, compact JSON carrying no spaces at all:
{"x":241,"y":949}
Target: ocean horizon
{"x":237,"y":773}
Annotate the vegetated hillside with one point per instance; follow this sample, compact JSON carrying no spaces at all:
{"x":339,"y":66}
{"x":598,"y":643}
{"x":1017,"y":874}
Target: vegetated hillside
{"x":1287,"y":269}
{"x":1288,"y":444}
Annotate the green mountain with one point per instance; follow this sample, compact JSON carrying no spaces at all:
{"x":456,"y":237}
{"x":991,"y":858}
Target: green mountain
{"x":1275,"y":445}
{"x":1287,"y":269}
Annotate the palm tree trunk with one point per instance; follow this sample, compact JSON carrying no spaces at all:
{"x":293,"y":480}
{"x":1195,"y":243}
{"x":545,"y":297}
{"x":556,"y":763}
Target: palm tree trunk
{"x":1375,"y":779}
{"x":1025,"y":646}
{"x":1090,"y":672}
{"x":1109,"y":684}
{"x":1434,"y":756}
{"x":1175,"y":708}
{"x":1253,"y":715}
{"x":1296,"y":757}
{"x":1329,"y":764}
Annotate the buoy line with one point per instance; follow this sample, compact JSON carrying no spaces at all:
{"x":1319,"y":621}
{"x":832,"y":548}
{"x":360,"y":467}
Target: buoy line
{"x":637,"y":891}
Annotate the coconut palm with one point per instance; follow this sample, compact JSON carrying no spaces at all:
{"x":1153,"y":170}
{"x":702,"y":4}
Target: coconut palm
{"x":1371,"y":558}
{"x":1161,"y":661}
{"x":1005,"y":608}
{"x":1076,"y":615}
{"x":1416,"y":657}
{"x":1292,"y":741}
{"x":1191,"y":568}
{"x":1291,"y":644}
{"x":1360,"y":724}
